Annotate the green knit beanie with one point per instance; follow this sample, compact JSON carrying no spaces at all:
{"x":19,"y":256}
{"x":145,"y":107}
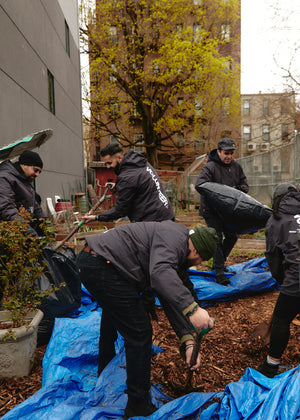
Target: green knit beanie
{"x":205,"y":241}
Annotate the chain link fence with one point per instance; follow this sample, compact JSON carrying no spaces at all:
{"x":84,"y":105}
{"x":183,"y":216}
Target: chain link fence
{"x":263,"y":170}
{"x":266,"y":170}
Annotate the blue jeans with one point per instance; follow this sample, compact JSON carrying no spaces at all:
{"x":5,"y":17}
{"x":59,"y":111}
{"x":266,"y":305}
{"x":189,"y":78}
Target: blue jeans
{"x":123,"y":311}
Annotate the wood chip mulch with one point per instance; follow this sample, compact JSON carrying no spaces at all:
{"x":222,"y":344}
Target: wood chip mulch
{"x":227,"y":350}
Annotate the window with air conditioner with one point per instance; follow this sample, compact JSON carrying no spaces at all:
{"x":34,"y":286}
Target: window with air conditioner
{"x":266,"y":132}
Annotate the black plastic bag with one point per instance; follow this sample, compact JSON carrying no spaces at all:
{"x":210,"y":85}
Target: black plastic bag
{"x":238,"y":211}
{"x":61,"y":268}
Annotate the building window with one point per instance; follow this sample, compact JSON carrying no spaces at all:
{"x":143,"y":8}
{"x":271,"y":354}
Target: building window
{"x":226,"y":106}
{"x":225,"y":32}
{"x":247,"y":132}
{"x":266,"y":132}
{"x":197,"y":2}
{"x":138,"y":142}
{"x":266,"y":107}
{"x":285,"y":132}
{"x":114,"y":138}
{"x":198,"y":105}
{"x":246,"y":107}
{"x":113,"y":34}
{"x":51,"y":96}
{"x":156,"y":69}
{"x":114,"y":108}
{"x":179,"y":29}
{"x":67,"y":38}
{"x":228,"y":66}
{"x":112,"y":77}
{"x":196,"y":32}
{"x":179,"y":101}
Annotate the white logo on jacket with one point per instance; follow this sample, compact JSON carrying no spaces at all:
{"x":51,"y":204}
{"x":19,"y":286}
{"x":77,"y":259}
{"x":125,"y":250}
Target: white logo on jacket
{"x":161,"y":196}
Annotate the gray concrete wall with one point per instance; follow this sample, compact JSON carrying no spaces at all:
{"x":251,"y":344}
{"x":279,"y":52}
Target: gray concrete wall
{"x":33,"y":41}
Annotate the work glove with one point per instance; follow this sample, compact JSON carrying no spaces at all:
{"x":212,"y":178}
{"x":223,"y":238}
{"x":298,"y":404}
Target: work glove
{"x":148,"y":299}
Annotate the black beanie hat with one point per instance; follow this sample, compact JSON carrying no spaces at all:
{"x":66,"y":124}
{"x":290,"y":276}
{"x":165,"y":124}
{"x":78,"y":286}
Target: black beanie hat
{"x":205,"y":241}
{"x":31,"y":159}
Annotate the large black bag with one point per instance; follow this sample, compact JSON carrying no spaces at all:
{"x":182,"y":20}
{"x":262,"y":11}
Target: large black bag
{"x":238,"y":211}
{"x":61,"y":268}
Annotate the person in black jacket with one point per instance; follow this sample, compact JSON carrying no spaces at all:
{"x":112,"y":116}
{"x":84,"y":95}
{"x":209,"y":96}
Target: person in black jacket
{"x":16,"y":189}
{"x":282,"y":254}
{"x":117,"y":265}
{"x":140,"y":193}
{"x":222,"y":169}
{"x":140,"y":197}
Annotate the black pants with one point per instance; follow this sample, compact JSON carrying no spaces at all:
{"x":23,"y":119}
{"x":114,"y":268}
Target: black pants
{"x":286,"y":309}
{"x":226,"y":242}
{"x":123,"y":311}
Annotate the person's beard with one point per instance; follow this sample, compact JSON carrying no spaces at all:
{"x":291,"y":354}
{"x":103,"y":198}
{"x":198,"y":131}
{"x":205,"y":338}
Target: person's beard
{"x":117,"y":168}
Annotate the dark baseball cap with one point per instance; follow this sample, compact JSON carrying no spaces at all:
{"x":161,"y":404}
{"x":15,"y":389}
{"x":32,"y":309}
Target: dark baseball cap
{"x":226,"y":144}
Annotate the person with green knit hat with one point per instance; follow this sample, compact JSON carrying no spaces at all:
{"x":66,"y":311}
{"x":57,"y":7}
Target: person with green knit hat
{"x":117,"y":266}
{"x":205,"y":241}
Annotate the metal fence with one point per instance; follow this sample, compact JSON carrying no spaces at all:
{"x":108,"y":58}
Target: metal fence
{"x":266,"y":170}
{"x":263,"y":170}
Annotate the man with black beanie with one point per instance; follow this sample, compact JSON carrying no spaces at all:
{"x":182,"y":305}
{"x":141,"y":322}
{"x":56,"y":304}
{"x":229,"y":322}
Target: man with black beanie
{"x":16,"y":189}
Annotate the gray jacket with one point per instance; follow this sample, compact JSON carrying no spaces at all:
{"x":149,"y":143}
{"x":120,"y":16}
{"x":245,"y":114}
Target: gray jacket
{"x":150,"y":253}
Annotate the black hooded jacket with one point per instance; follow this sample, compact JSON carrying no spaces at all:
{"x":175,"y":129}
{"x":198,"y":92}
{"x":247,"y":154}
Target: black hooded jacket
{"x":16,"y":190}
{"x":282,"y":252}
{"x":215,"y":170}
{"x":140,"y":193}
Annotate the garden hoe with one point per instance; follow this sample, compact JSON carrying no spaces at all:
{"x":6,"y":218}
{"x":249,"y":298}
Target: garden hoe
{"x":92,"y":211}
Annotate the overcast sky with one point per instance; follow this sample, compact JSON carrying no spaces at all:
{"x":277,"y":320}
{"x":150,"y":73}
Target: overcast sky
{"x":270,"y":30}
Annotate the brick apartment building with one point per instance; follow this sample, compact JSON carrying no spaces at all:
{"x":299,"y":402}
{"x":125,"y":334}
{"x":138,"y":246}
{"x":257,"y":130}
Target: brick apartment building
{"x":268,"y":121}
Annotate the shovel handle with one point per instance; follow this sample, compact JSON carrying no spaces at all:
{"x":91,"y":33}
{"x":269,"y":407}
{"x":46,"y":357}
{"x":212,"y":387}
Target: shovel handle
{"x":198,"y":340}
{"x":93,"y":209}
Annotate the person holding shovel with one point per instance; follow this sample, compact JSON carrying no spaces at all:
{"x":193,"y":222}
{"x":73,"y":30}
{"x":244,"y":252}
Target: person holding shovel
{"x":283,"y":256}
{"x":117,"y":265}
{"x":140,"y":193}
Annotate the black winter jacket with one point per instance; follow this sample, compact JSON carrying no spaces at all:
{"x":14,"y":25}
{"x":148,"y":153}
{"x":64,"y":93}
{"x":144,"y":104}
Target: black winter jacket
{"x":16,"y":190}
{"x":217,"y":171}
{"x":140,"y":194}
{"x":150,"y":254}
{"x":282,"y":251}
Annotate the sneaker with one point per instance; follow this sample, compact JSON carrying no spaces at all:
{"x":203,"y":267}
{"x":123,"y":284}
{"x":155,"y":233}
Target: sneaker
{"x":222,"y":279}
{"x":138,"y":409}
{"x":268,"y":370}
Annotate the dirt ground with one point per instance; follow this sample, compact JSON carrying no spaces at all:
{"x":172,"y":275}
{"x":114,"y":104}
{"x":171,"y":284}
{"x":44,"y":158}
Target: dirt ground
{"x":227,"y":350}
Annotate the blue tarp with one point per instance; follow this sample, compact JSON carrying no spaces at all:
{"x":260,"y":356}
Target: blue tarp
{"x":72,"y":391}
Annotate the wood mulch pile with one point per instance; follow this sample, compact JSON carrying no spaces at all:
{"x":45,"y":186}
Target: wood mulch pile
{"x":227,"y":350}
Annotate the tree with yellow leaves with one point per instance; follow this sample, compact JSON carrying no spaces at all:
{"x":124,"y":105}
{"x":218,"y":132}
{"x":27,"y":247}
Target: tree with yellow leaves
{"x":157,"y":70}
